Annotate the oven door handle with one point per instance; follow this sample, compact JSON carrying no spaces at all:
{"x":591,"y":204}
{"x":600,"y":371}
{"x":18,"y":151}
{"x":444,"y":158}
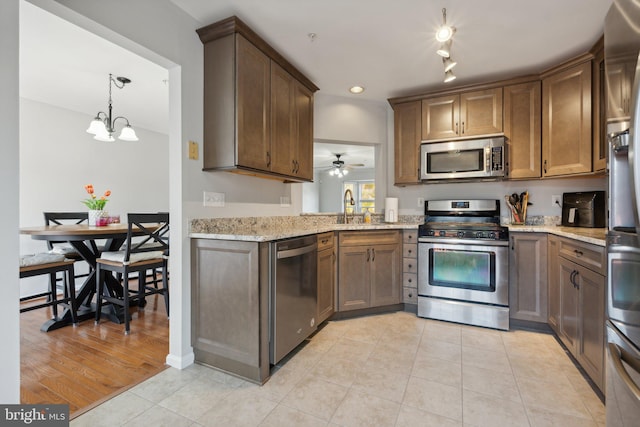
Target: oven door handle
{"x":290,"y":253}
{"x":617,"y":355}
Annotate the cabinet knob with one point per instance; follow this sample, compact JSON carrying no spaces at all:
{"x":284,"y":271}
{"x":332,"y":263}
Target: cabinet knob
{"x":410,"y":266}
{"x":409,"y":250}
{"x":410,"y":295}
{"x":410,"y":280}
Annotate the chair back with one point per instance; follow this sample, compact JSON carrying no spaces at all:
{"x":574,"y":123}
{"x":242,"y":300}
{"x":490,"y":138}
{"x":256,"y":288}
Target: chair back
{"x":147,"y":232}
{"x":60,"y":218}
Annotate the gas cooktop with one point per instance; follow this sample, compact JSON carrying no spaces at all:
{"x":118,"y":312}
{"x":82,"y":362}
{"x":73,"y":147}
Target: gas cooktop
{"x":463,"y":219}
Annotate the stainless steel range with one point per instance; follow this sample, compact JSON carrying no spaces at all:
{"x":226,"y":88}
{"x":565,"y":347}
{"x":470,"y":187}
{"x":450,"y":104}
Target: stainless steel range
{"x":463,"y":262}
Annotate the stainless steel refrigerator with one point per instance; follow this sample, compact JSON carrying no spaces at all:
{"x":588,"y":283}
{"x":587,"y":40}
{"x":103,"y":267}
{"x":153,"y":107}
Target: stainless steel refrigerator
{"x":622,"y":70}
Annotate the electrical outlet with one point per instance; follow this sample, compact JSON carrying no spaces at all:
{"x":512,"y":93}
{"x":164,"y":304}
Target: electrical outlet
{"x":556,"y":201}
{"x":420,"y":202}
{"x":211,"y":199}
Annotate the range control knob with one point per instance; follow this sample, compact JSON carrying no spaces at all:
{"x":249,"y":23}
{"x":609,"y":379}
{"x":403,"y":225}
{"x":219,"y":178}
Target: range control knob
{"x":442,"y":233}
{"x":430,"y":233}
{"x":492,"y":235}
{"x":461,"y":234}
{"x":479,"y":234}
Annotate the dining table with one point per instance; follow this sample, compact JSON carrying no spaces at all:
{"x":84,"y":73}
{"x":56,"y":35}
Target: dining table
{"x":84,"y":239}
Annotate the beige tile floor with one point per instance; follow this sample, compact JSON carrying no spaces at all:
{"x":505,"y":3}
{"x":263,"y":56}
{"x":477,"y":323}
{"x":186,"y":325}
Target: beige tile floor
{"x":386,"y":370}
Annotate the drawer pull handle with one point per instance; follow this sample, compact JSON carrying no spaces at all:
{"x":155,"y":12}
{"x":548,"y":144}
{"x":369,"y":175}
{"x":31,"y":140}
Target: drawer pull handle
{"x":410,"y":295}
{"x":368,"y":254}
{"x":578,"y":253}
{"x":324,"y":241}
{"x":410,"y":266}
{"x":410,"y":280}
{"x":409,"y":250}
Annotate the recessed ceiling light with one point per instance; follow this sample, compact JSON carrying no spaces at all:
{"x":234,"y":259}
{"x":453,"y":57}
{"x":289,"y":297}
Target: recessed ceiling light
{"x":356,"y":89}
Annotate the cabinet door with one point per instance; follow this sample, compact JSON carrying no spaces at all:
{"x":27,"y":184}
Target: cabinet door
{"x":440,"y":117}
{"x":407,"y":122}
{"x":528,"y":277}
{"x":282,"y":121}
{"x":590,"y":351}
{"x":554,"y":283}
{"x":304,"y":132}
{"x":481,"y":112}
{"x":600,"y":147}
{"x":354,"y":269}
{"x":522,"y":129}
{"x":619,"y":77}
{"x":566,"y":121}
{"x":568,"y":304}
{"x":253,"y":100}
{"x":326,"y":283}
{"x":385,"y":275}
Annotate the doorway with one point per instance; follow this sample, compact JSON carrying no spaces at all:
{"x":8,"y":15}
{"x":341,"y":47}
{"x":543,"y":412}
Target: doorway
{"x":62,"y":87}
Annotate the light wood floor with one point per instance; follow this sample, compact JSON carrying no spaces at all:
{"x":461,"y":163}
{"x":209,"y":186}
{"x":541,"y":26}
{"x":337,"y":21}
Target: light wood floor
{"x":85,"y":365}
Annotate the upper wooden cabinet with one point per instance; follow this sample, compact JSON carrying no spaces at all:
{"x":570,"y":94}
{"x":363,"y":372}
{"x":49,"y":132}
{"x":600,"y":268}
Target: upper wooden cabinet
{"x":522,"y":129}
{"x":619,"y":79}
{"x":462,"y":115}
{"x":258,"y":109}
{"x":566,"y":120}
{"x":407,"y":118}
{"x":599,"y":98}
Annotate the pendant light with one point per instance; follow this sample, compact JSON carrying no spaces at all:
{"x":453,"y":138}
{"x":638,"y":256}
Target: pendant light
{"x":103,"y":125}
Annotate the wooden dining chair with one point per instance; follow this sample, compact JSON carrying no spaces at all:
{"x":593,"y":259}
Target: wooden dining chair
{"x":146,"y":249}
{"x":63,"y":247}
{"x":50,"y":264}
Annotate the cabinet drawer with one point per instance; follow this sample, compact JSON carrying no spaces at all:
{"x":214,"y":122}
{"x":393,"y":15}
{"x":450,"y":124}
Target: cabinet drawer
{"x":409,"y":296}
{"x":410,"y":250}
{"x":358,"y":238}
{"x":325,"y":240}
{"x":587,"y":255}
{"x":410,"y":280}
{"x":409,"y":265}
{"x":410,"y":236}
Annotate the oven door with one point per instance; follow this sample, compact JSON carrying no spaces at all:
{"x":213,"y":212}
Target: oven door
{"x":465,"y":270}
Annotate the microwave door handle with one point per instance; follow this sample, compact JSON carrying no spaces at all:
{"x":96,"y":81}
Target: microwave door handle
{"x":617,"y":355}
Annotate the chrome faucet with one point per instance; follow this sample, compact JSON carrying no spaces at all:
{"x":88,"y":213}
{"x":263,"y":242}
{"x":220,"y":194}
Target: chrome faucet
{"x":346,"y":201}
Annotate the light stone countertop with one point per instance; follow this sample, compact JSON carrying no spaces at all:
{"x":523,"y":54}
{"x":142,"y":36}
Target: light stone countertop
{"x":596,"y":236}
{"x":266,"y":229}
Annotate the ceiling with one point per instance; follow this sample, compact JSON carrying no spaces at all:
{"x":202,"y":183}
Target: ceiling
{"x":325,"y":153}
{"x":64,"y":65}
{"x":387,"y":47}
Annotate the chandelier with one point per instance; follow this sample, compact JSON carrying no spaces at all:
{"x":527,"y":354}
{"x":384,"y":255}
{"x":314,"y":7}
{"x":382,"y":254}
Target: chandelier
{"x":103,"y":126}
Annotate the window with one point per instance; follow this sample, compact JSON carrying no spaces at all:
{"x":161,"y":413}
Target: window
{"x":364,"y":194}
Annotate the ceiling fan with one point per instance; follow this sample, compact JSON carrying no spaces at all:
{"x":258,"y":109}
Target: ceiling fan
{"x":339,"y":168}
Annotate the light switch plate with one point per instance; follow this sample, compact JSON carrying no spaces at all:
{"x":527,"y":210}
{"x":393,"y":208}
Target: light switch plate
{"x":211,"y":199}
{"x":421,"y":202}
{"x":193,"y":150}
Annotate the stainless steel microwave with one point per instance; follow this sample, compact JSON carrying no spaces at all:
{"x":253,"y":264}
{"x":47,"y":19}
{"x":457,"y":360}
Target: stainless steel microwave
{"x":473,"y":158}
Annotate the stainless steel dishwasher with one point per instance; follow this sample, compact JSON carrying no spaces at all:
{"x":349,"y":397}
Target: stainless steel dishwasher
{"x":293,"y":294}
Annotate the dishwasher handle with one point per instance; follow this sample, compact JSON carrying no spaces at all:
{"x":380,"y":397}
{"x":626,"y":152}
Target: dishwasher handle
{"x":618,"y":354}
{"x":290,"y":253}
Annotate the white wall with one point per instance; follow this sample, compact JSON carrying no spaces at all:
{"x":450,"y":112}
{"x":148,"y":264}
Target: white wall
{"x":9,"y":172}
{"x":57,"y":158}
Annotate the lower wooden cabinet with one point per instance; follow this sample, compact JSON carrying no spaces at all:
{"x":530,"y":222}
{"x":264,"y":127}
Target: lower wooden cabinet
{"x":369,"y":269}
{"x":410,"y":267}
{"x":577,"y":292}
{"x":326,"y":276}
{"x":230,"y":306}
{"x":528,"y":276}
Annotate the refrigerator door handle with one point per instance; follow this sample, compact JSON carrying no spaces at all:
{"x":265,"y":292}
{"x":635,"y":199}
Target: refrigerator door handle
{"x":617,"y":355}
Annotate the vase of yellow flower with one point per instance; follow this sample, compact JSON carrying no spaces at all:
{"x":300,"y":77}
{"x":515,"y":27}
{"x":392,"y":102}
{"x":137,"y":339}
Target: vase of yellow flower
{"x":96,"y":204}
